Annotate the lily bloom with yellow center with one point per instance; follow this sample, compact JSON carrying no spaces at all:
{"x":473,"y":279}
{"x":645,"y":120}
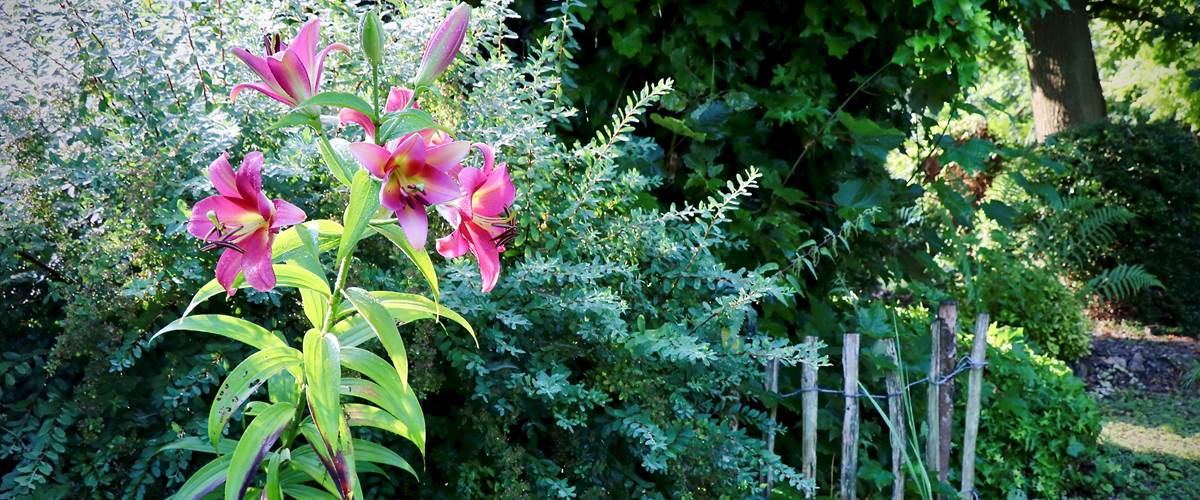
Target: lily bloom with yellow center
{"x":243,"y":221}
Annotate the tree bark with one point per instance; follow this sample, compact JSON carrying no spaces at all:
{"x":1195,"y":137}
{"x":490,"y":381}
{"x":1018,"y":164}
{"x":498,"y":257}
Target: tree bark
{"x":1062,"y":71}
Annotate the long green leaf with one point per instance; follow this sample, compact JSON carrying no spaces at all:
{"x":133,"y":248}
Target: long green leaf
{"x":328,"y":234}
{"x":255,"y":442}
{"x":399,"y":304}
{"x":302,"y":492}
{"x":340,"y":100}
{"x":399,"y":400}
{"x":316,"y":465}
{"x":384,"y":327}
{"x":295,"y":119}
{"x":243,"y":381}
{"x":352,"y":331}
{"x":207,"y":479}
{"x":361,"y":415}
{"x":308,"y":256}
{"x":227,"y":326}
{"x":401,"y":123}
{"x":272,"y":489}
{"x":370,"y":452}
{"x":194,"y":443}
{"x":323,"y":373}
{"x":286,"y":275}
{"x":418,"y":257}
{"x":333,"y":161}
{"x":364,"y":200}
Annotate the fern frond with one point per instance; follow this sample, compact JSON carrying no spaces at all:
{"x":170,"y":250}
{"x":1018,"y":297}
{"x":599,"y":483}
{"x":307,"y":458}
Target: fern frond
{"x":1122,"y":282}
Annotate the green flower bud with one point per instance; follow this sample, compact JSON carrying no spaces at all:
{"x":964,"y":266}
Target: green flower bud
{"x":370,"y":33}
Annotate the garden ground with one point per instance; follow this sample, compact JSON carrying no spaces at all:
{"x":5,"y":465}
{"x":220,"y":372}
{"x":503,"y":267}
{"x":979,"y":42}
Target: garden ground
{"x":1148,"y":388}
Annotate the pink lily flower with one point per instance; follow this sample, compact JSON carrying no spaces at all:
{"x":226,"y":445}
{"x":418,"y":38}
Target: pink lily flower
{"x":399,"y":99}
{"x":481,"y":218}
{"x":444,"y":44}
{"x":414,"y":176}
{"x":243,"y":221}
{"x":290,"y":73}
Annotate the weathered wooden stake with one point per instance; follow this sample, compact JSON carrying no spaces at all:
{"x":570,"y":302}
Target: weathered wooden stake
{"x":896,"y":416}
{"x":850,"y":420}
{"x":773,"y":388}
{"x":808,"y":402}
{"x":935,"y":372}
{"x":948,"y":313}
{"x":974,"y":387}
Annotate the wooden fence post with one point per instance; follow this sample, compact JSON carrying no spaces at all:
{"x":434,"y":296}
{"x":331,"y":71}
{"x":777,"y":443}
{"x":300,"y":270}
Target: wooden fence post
{"x":896,"y":415}
{"x":932,"y":421}
{"x":808,"y":384}
{"x":850,"y":421}
{"x":974,"y":387}
{"x":948,"y":313}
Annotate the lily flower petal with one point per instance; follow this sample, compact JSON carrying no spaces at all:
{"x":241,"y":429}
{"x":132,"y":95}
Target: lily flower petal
{"x":495,"y":194}
{"x":228,"y":267}
{"x":438,"y":187}
{"x":415,"y":223}
{"x":237,"y":89}
{"x":453,"y":245}
{"x":220,"y":172}
{"x":286,"y":214}
{"x":292,"y":77}
{"x":256,"y":262}
{"x":229,"y":211}
{"x":487,"y":255}
{"x":444,"y":44}
{"x":305,"y":43}
{"x":373,"y":157}
{"x":398,"y":99}
{"x":320,"y":63}
{"x":347,"y":115}
{"x":444,"y":156}
{"x":249,"y":177}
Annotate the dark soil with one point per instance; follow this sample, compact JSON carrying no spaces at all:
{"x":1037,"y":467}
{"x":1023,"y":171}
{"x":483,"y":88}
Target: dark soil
{"x":1124,"y":357}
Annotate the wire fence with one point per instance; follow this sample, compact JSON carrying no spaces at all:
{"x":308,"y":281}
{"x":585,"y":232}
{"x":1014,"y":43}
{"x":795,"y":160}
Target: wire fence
{"x":964,"y":364}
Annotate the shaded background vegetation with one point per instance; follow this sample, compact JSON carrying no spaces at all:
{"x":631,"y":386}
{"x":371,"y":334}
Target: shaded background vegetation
{"x":898,"y":170}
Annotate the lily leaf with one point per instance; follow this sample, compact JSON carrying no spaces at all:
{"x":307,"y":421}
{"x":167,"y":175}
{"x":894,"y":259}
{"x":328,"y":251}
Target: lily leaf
{"x":255,"y":442}
{"x":340,"y":100}
{"x":226,"y":326}
{"x":401,"y":305}
{"x":243,"y":381}
{"x":334,"y":162}
{"x":295,"y":119}
{"x":405,"y":122}
{"x":197,"y":444}
{"x":322,"y":373}
{"x":205,"y":480}
{"x":361,"y":415}
{"x":419,"y":257}
{"x":364,"y":200}
{"x":328,"y":234}
{"x":384,"y":327}
{"x":286,"y":275}
{"x":373,"y":453}
{"x":398,"y":399}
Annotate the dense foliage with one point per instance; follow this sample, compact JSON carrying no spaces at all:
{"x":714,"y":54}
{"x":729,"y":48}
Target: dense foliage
{"x":1150,"y":169}
{"x":674,"y":235}
{"x":1042,"y":427}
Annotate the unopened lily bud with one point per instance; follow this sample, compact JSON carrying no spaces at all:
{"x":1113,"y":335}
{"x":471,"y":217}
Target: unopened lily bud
{"x":370,"y":34}
{"x":444,"y":45}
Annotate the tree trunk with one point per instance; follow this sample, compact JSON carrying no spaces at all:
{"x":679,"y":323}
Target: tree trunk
{"x":1062,"y":71}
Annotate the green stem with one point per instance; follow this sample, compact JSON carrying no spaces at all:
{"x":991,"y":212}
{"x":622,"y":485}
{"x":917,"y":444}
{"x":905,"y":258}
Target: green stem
{"x":375,"y":90}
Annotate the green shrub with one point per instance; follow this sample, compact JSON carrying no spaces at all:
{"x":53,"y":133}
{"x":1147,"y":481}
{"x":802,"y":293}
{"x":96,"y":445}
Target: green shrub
{"x":1151,"y":170}
{"x":1038,"y":426}
{"x":617,"y":358}
{"x":1020,"y":293}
